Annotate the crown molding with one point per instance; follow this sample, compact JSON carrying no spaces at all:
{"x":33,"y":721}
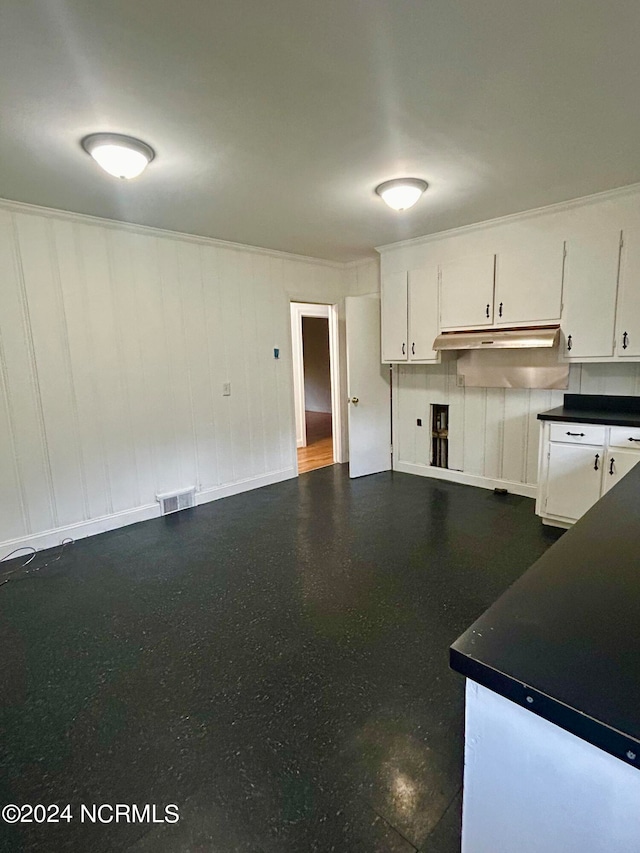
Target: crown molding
{"x":116,"y":224}
{"x":618,"y":192}
{"x":360,"y":262}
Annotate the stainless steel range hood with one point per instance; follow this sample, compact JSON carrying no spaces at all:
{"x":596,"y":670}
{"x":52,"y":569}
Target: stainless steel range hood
{"x":492,"y":339}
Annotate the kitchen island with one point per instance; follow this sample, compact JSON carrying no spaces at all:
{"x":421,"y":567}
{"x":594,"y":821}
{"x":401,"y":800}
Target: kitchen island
{"x":552,"y":751}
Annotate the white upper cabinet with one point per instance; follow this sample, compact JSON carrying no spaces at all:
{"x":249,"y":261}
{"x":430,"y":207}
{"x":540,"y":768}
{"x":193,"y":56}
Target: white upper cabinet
{"x":410,"y":314}
{"x":576,"y":264}
{"x":628,"y":313}
{"x":466,"y":292}
{"x":394,"y":316}
{"x":589,"y":295}
{"x":423,"y":314}
{"x":529,"y":282}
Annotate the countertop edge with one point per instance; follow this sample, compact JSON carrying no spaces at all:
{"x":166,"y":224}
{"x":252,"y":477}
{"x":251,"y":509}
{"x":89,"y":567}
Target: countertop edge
{"x":595,"y":732}
{"x":605,"y":418}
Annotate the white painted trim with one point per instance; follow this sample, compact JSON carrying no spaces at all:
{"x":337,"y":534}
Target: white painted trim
{"x":583,"y":201}
{"x":360,"y":262}
{"x":395,"y":412}
{"x":217,"y":492}
{"x":524,"y":489}
{"x":82,"y":529}
{"x":315,"y":309}
{"x":68,"y":215}
{"x":553,"y":522}
{"x":336,"y":396}
{"x":297,"y":361}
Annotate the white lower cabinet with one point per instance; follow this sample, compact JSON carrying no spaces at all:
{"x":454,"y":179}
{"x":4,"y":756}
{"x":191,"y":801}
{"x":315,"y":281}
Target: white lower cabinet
{"x":578,"y":464}
{"x":617,"y":464}
{"x":574,"y":479}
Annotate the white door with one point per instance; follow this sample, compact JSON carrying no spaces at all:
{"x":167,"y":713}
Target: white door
{"x":573,"y":480}
{"x":466,"y":292}
{"x":618,"y":463}
{"x":369,"y":391}
{"x":394,"y":316}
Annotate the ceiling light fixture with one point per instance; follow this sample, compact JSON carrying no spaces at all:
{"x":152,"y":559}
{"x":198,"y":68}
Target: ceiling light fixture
{"x":120,"y":156}
{"x":401,"y":193}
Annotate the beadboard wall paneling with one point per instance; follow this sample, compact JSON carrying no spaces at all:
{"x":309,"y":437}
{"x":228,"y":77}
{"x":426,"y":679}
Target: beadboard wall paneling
{"x":493,"y":432}
{"x":363,"y":277}
{"x":114,"y":345}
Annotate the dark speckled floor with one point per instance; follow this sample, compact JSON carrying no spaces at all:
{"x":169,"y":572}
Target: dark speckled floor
{"x":274,"y":663}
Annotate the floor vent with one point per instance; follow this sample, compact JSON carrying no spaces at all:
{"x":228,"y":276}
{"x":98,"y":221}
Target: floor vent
{"x":176,"y":501}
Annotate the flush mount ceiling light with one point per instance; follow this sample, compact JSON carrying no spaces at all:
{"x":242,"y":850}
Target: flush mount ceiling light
{"x":401,"y":193}
{"x":120,"y":156}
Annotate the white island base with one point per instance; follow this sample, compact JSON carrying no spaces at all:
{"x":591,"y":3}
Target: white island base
{"x":531,"y":787}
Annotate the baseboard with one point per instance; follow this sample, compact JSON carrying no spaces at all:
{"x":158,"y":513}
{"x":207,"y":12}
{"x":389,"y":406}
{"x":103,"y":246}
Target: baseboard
{"x":525,"y":489}
{"x":246,"y":485}
{"x":554,"y":522}
{"x":82,"y":529}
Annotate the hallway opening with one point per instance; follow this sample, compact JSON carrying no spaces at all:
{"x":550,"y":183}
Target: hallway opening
{"x":314,"y":385}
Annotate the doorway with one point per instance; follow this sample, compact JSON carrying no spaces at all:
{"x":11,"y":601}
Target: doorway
{"x":316,"y":385}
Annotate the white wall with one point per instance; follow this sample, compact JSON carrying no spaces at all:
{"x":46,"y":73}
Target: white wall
{"x":493,"y":432}
{"x":363,"y":277}
{"x":114,"y":344}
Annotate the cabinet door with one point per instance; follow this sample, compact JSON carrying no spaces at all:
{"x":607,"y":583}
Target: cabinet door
{"x":466,"y":293}
{"x":423,"y":314}
{"x":529,"y":283}
{"x":618,"y":463}
{"x":574,"y":477}
{"x":394,"y":317}
{"x":628,"y":315}
{"x":590,"y":284}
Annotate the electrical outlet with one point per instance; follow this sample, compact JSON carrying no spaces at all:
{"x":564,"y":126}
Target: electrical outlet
{"x":226,"y":389}
{"x":460,"y":380}
{"x":419,"y":422}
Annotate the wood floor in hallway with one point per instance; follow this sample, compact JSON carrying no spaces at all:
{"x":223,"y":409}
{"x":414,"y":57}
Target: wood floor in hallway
{"x":319,"y":450}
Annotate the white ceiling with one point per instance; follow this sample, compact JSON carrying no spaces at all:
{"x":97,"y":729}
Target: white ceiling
{"x":273,"y":120}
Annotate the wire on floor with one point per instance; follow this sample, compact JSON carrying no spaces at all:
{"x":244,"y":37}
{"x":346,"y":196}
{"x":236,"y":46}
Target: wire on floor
{"x":8,"y":576}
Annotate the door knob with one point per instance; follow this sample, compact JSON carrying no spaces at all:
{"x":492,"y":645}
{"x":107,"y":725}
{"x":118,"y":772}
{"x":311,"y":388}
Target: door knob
{"x":355,"y":400}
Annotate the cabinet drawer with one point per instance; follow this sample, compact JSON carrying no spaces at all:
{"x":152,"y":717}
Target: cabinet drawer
{"x":577,"y":433}
{"x":628,"y":437}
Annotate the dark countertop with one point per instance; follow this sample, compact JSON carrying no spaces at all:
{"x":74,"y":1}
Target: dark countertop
{"x":564,"y":640}
{"x":596,"y":409}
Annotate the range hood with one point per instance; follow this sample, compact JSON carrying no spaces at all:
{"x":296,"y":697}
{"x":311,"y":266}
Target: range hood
{"x":492,"y":339}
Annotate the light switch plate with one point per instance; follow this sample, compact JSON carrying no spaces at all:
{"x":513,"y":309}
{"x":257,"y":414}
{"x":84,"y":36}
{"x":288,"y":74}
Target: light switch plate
{"x":226,"y":389}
